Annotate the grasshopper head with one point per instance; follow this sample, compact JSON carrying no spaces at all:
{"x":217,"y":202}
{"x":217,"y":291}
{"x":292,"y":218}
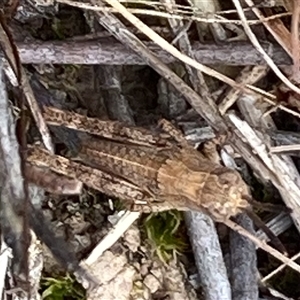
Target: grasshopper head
{"x":224,"y":193}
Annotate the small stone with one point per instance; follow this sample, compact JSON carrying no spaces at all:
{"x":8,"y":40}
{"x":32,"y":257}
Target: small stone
{"x":144,"y":270}
{"x":132,"y":238}
{"x":152,"y":283}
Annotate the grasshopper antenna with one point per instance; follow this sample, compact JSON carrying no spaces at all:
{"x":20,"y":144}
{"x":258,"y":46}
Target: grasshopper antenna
{"x":276,"y":208}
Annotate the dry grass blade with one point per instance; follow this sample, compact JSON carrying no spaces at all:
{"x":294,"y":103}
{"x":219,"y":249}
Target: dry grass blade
{"x":281,"y":267}
{"x":257,"y":45}
{"x":275,"y":27}
{"x":177,"y":14}
{"x":285,"y":148}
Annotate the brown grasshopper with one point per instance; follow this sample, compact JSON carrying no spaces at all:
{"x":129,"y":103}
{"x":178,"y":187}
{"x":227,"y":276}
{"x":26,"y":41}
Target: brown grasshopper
{"x":149,"y":171}
{"x":156,"y":171}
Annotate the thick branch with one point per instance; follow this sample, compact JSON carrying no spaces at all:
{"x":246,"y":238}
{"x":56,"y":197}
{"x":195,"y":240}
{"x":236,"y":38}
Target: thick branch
{"x":110,"y":52}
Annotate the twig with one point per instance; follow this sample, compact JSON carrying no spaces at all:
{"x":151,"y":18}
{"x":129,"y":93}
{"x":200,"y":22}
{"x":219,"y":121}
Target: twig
{"x":278,"y":225}
{"x":275,"y":27}
{"x":262,"y":245}
{"x":216,"y":285}
{"x":243,"y":262}
{"x":248,"y":75}
{"x":111,"y":91}
{"x":281,"y":267}
{"x":109,"y":52}
{"x":176,"y":15}
{"x":11,"y":181}
{"x":243,"y":258}
{"x":285,"y":148}
{"x":278,"y":295}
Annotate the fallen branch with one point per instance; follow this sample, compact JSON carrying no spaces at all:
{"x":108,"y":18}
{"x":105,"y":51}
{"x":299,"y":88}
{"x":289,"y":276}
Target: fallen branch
{"x":107,"y":51}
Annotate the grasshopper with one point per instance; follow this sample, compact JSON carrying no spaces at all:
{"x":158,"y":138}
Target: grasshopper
{"x":147,"y":170}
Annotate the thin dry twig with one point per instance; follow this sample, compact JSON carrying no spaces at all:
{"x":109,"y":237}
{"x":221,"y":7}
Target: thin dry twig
{"x":248,"y":75}
{"x":281,"y":170}
{"x":11,"y":181}
{"x":262,"y":245}
{"x":281,"y":267}
{"x":12,"y":198}
{"x":177,"y":15}
{"x":285,"y":148}
{"x":243,"y":262}
{"x":278,"y":225}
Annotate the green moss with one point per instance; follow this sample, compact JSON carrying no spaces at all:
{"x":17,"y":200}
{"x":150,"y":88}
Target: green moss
{"x":62,"y":288}
{"x":164,"y":232}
